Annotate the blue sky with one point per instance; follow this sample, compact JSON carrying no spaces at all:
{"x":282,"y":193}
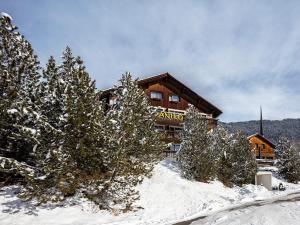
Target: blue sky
{"x":237,"y":54}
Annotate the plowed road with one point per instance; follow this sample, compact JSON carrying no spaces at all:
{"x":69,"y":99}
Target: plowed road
{"x":276,"y":211}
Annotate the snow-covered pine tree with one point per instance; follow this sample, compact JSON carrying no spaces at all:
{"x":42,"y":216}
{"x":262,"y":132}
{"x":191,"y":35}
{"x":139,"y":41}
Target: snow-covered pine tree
{"x":84,"y":134}
{"x":68,"y":66}
{"x":19,"y":102}
{"x":53,"y":106}
{"x":74,"y":160}
{"x":243,"y":161}
{"x":51,"y":93}
{"x":49,"y":108}
{"x":50,"y":160}
{"x":287,"y":160}
{"x":222,"y":144}
{"x":236,"y":163}
{"x":57,"y":80}
{"x":196,"y":157}
{"x":134,"y":144}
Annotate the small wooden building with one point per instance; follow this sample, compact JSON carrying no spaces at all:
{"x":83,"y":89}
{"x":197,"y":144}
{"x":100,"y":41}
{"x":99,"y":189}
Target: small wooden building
{"x":261,"y":146}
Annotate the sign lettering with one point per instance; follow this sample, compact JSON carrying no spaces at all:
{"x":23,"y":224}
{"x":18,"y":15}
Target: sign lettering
{"x":170,"y":116}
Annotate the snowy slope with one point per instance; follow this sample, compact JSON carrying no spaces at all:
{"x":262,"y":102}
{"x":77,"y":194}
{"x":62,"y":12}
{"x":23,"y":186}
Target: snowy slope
{"x":165,"y":197}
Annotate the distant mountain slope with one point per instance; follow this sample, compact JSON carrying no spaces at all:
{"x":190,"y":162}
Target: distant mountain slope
{"x":272,"y":129}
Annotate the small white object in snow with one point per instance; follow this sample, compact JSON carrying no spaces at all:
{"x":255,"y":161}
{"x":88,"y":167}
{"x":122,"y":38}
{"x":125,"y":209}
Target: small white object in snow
{"x":28,"y":129}
{"x":12,"y":111}
{"x":3,"y":14}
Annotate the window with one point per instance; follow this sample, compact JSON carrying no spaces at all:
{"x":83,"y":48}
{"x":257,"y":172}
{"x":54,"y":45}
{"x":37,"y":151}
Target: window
{"x":159,"y":127}
{"x":159,"y":109}
{"x":112,"y":101}
{"x":263,"y":146}
{"x":206,"y":115}
{"x":176,"y":112}
{"x":175,"y":129}
{"x":256,"y":146}
{"x":175,"y":147}
{"x":174,"y":98}
{"x":156,"y":95}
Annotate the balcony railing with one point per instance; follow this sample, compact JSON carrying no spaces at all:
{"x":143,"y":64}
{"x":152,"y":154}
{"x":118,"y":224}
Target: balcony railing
{"x":171,"y":154}
{"x":172,"y":134}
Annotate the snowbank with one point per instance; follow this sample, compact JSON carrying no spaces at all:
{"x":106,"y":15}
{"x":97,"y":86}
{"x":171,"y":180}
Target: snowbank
{"x":165,"y":197}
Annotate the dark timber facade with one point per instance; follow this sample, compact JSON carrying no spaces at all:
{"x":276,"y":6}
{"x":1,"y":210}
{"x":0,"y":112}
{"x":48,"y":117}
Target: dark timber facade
{"x":171,"y":98}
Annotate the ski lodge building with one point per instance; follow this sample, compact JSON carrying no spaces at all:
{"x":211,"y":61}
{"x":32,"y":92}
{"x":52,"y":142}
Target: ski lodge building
{"x":171,"y":98}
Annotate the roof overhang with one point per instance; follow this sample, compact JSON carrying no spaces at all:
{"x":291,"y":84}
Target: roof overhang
{"x":180,"y":89}
{"x":263,"y":139}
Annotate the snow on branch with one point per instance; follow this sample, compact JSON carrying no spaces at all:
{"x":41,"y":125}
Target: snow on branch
{"x":4,"y":14}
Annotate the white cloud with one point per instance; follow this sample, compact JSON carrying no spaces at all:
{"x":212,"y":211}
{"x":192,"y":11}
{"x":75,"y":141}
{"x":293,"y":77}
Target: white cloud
{"x":237,"y":54}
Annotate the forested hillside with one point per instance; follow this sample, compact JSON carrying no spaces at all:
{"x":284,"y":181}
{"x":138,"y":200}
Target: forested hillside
{"x":272,"y":129}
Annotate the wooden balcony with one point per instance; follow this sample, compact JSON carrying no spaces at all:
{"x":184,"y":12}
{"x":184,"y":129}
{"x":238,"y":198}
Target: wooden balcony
{"x":170,"y":154}
{"x":171,"y":136}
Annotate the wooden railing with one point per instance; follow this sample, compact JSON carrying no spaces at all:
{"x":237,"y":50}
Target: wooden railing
{"x":173,"y":134}
{"x":170,"y":154}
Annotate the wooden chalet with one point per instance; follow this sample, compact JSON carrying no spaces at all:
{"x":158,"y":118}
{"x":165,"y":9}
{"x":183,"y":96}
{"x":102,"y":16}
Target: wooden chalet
{"x":261,"y":146}
{"x":171,"y":98}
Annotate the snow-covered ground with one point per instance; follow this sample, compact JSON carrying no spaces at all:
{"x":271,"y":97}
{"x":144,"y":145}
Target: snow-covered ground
{"x":166,"y":198}
{"x":275,"y":214}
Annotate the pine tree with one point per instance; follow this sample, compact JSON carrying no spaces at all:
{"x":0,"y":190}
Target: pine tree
{"x":134,"y":145}
{"x":196,"y":157}
{"x":243,"y":161}
{"x":50,"y":159}
{"x":236,"y":163}
{"x":50,"y":101}
{"x":85,"y":114}
{"x":288,"y":160}
{"x":72,"y":161}
{"x":57,"y":81}
{"x":222,"y":145}
{"x":56,"y":134}
{"x":51,"y":93}
{"x":20,"y":123}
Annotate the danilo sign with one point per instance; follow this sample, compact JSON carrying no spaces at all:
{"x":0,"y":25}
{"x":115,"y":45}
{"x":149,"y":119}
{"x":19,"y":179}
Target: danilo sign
{"x":170,"y":116}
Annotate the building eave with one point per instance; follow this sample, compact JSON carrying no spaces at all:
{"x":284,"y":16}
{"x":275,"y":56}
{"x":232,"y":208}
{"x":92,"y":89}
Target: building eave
{"x":178,"y":88}
{"x":181,"y":89}
{"x":263,"y":139}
